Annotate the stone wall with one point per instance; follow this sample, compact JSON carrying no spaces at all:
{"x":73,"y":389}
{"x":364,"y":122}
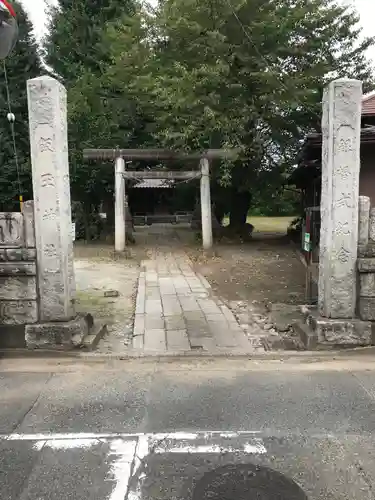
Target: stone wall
{"x":366,"y":261}
{"x":18,"y":286}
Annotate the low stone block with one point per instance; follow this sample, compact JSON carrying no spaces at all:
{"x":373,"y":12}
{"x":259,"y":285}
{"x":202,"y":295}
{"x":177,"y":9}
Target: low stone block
{"x":367,"y":285}
{"x":366,"y":265}
{"x":17,"y":254}
{"x":20,"y":287}
{"x":18,"y":269}
{"x":372,"y":225}
{"x":18,"y":312}
{"x":339,"y":332}
{"x":364,"y":205}
{"x":65,"y":334}
{"x":366,"y":251}
{"x":11,"y":229}
{"x":29,"y":225}
{"x":367,"y":308}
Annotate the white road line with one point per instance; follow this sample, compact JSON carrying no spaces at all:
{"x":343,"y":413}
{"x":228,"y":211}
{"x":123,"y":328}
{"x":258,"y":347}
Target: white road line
{"x":248,"y":448}
{"x":113,"y":435}
{"x":121,"y":456}
{"x":69,"y":444}
{"x":127,"y":451}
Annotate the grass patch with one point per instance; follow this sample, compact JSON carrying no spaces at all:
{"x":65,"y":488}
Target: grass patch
{"x":267,"y":224}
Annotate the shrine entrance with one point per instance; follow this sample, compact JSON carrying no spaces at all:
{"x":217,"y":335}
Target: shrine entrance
{"x":122,"y":157}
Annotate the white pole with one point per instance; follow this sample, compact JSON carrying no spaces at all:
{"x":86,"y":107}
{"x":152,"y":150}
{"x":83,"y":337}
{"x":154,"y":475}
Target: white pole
{"x":119,"y":205}
{"x":206,"y":205}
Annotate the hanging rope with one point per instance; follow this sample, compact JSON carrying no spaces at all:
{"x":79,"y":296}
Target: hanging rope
{"x":11,"y":119}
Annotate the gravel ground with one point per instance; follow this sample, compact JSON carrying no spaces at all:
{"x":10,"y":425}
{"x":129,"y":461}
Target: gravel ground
{"x":106,"y":288}
{"x":248,"y":277}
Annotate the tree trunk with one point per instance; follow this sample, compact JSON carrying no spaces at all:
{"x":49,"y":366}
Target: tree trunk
{"x":87,"y":221}
{"x":240,"y":205}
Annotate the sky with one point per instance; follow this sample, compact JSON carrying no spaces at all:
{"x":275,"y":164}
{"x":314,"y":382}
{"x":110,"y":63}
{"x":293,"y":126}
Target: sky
{"x":366,"y":9}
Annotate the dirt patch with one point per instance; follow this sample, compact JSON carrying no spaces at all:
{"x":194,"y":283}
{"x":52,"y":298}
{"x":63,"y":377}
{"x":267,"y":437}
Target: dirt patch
{"x":106,"y":288}
{"x":266,"y":269}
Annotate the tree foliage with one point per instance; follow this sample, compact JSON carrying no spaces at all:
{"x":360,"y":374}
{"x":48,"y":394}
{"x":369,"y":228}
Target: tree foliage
{"x":23,"y":63}
{"x":78,"y":54}
{"x":245,"y":74}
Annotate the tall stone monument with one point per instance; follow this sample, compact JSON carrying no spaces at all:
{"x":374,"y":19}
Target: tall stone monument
{"x":341,"y":126}
{"x":52,"y":210}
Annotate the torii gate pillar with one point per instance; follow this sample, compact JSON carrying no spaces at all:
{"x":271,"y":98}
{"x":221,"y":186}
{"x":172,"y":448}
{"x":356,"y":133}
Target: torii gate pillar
{"x":206,"y":205}
{"x":120,"y":232}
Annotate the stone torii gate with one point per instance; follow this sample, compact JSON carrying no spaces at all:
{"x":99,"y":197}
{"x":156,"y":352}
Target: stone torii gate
{"x":120,"y":155}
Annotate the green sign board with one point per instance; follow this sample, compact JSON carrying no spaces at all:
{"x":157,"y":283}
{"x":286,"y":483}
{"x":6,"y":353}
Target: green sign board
{"x":307,"y":242}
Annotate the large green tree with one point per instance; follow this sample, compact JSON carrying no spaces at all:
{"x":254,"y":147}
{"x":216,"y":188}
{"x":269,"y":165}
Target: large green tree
{"x":244,"y":74}
{"x":78,"y":53}
{"x":23,"y":63}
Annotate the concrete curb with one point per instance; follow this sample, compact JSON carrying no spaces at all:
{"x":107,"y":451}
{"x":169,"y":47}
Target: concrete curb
{"x":296,"y":356}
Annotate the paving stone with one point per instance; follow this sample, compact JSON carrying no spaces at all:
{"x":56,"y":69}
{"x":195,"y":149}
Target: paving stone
{"x":155,"y":340}
{"x":153,"y":294}
{"x":138,"y":342}
{"x":194,"y":282}
{"x":189,"y":304}
{"x":139,"y":324}
{"x":194,"y":315}
{"x":228,"y":314}
{"x":206,"y":344}
{"x":209,"y":306}
{"x":175,"y":322}
{"x":197,"y":328}
{"x":186,"y":292}
{"x":222,"y":335}
{"x":216,"y":318}
{"x":204,"y":282}
{"x":154,"y":322}
{"x":175,"y":311}
{"x":242,"y":340}
{"x":140,"y":304}
{"x":199,"y":292}
{"x":177,"y":340}
{"x":153,"y":306}
{"x":171,"y":306}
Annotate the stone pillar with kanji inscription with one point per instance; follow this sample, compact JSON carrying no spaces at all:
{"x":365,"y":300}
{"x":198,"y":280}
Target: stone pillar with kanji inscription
{"x":341,"y":126}
{"x":52,"y":207}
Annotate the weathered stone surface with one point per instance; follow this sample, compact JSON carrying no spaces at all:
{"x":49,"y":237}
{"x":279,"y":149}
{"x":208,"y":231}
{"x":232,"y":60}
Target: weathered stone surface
{"x":28,"y":216}
{"x":366,"y":265}
{"x":372,"y":225}
{"x":364,"y":220}
{"x":367,"y":308}
{"x":341,"y":126}
{"x":11,"y":229}
{"x":52,"y":335}
{"x":18,"y":312}
{"x":51,"y":187}
{"x":367,"y":284}
{"x":366,"y":250}
{"x":17,"y":254}
{"x":20,"y":287}
{"x":336,"y":332}
{"x":17,"y":268}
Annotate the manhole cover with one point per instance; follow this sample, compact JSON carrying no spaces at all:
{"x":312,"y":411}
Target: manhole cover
{"x":247,"y":482}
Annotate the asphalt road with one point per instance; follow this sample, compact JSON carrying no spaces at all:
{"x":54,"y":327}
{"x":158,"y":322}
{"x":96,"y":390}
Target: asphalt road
{"x":220,"y":430}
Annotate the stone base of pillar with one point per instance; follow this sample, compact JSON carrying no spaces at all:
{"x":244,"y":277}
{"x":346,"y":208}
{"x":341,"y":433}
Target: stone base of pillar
{"x":317,"y":332}
{"x":79,"y":332}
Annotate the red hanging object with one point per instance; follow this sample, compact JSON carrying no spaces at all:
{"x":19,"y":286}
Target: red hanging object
{"x":8,"y":28}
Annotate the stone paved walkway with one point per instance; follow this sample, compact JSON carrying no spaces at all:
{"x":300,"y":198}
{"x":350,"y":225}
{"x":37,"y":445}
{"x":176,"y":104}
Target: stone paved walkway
{"x":177,"y":312}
